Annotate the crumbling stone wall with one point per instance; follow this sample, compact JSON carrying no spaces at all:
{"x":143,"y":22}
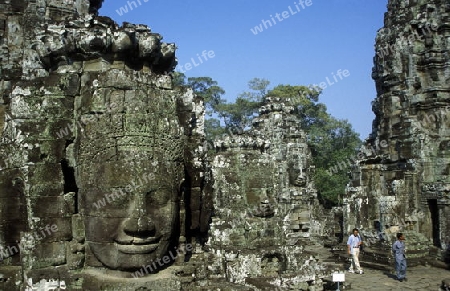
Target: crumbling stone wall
{"x":265,"y":203}
{"x":405,"y":186}
{"x":88,"y":108}
{"x":103,"y":171}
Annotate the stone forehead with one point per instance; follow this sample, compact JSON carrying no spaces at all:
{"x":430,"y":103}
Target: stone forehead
{"x":118,"y":168}
{"x":166,"y":169}
{"x":154,"y":128}
{"x":129,"y":147}
{"x":143,"y":130}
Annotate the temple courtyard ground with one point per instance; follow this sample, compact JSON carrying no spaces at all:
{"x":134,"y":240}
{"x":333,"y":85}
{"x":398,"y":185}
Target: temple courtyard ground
{"x":419,"y":278}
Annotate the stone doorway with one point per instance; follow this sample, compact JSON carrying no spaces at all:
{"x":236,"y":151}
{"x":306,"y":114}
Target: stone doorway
{"x":435,"y":222}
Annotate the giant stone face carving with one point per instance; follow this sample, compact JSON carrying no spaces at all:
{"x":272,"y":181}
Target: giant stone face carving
{"x":137,"y":172}
{"x":105,"y":144}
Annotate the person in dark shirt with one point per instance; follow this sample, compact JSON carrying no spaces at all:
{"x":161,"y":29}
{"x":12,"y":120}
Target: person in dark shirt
{"x":398,"y":250}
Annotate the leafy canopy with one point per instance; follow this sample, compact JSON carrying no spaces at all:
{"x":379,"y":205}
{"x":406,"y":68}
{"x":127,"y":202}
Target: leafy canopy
{"x":331,"y":140}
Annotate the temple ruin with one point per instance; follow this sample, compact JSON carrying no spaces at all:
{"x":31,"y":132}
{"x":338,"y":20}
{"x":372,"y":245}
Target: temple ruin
{"x":105,"y":181}
{"x":266,"y":207}
{"x":99,"y":152}
{"x":404,"y":186}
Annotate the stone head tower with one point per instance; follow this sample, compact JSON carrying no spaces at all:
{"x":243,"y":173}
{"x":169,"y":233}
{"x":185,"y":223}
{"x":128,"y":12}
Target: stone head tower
{"x":100,"y":157}
{"x":405,"y":186}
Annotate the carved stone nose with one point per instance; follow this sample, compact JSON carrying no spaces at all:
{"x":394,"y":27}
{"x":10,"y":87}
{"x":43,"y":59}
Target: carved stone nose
{"x":139,"y":227}
{"x":139,"y":223}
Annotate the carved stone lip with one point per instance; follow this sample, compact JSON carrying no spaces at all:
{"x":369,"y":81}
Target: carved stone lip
{"x":137,"y":249}
{"x":135,"y":245}
{"x":137,"y":240}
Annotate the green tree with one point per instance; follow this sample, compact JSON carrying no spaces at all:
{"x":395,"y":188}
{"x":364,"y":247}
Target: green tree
{"x":258,"y":89}
{"x":209,"y":90}
{"x":211,"y":93}
{"x":306,"y":100}
{"x":239,"y":114}
{"x":204,"y":87}
{"x":331,"y":140}
{"x":332,"y":143}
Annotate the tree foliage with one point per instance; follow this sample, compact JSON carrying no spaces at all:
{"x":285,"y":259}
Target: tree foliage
{"x":204,"y":87}
{"x":238,"y":115}
{"x":331,"y":140}
{"x":211,"y":93}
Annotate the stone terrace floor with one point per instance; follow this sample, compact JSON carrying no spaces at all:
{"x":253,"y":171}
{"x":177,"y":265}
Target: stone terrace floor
{"x":419,"y":278}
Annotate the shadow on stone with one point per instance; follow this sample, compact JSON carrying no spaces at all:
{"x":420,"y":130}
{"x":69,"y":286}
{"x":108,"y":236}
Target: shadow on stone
{"x":390,"y":275}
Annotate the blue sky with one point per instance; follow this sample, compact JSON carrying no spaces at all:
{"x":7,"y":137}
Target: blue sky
{"x":308,"y":45}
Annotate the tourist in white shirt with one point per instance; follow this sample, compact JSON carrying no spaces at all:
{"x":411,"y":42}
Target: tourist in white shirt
{"x":354,"y":243}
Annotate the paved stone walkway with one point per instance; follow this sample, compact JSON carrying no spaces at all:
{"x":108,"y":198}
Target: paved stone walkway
{"x":419,"y":278}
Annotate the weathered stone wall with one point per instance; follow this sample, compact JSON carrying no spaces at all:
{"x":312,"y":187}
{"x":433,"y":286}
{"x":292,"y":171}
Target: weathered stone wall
{"x":265,"y":203}
{"x":103,"y":172}
{"x":97,"y":147}
{"x":406,"y":185}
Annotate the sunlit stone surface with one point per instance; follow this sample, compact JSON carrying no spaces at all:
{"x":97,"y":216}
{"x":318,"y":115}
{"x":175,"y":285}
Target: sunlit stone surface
{"x":266,"y":208}
{"x":104,"y":183}
{"x":101,"y":168}
{"x":405,"y":185}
